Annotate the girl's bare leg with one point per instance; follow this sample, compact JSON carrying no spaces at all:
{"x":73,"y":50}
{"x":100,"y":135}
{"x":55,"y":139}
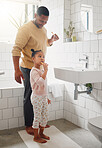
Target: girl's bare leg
{"x":42,"y":135}
{"x":37,"y":138}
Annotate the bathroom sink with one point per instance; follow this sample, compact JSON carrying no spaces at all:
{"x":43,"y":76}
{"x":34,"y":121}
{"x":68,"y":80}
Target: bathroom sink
{"x":78,"y":75}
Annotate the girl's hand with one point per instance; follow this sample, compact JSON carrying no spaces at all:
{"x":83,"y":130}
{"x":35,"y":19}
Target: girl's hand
{"x":49,"y":101}
{"x":45,"y":65}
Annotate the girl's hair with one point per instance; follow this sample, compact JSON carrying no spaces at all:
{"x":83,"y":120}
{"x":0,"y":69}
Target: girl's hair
{"x":34,"y":52}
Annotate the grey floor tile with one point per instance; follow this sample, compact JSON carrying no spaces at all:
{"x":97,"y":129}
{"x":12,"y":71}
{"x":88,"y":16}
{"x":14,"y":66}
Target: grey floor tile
{"x":11,"y":139}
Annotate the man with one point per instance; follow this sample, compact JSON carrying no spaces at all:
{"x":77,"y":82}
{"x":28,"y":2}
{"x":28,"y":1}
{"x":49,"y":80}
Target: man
{"x":32,"y":35}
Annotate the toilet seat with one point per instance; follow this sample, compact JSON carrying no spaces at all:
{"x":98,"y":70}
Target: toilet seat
{"x":97,"y":122}
{"x":95,"y":126}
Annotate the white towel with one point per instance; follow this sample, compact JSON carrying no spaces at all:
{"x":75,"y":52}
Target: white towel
{"x":56,"y":90}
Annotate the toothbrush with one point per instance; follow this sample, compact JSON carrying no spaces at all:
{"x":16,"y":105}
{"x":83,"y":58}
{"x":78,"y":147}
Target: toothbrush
{"x":52,"y":33}
{"x":42,"y":63}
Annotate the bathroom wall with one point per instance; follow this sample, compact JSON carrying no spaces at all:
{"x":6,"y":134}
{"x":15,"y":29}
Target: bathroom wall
{"x":6,"y":63}
{"x":87,"y":106}
{"x":68,"y":54}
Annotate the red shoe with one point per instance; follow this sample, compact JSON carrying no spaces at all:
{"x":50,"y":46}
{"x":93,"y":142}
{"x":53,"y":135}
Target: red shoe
{"x":47,"y":126}
{"x":30,"y":130}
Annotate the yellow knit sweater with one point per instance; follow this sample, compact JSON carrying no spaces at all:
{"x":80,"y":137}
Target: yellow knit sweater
{"x":29,"y":37}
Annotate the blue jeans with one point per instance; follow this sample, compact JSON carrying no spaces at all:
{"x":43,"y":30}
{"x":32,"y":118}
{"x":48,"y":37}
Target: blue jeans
{"x":28,"y":108}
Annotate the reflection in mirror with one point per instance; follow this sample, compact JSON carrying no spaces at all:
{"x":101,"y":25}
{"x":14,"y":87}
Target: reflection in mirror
{"x":87,"y":17}
{"x":91,"y":15}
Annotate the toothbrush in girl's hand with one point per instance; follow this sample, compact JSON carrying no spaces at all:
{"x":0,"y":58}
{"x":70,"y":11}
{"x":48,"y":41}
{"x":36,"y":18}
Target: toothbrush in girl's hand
{"x":42,"y":63}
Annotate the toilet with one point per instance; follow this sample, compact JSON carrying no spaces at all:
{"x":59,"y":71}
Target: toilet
{"x":95,"y":126}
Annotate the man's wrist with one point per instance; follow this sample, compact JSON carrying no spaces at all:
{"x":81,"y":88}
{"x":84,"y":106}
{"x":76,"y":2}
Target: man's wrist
{"x":50,"y":42}
{"x":17,"y":69}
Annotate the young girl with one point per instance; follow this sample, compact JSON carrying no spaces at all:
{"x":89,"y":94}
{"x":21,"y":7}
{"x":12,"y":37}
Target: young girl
{"x":39,"y":95}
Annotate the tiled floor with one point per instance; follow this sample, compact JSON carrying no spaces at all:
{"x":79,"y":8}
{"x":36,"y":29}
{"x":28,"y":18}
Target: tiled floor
{"x":11,"y":139}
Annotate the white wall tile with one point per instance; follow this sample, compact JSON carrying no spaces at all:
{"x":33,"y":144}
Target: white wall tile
{"x":67,"y":4}
{"x":96,"y":106}
{"x":0,"y":93}
{"x":2,"y":47}
{"x":17,"y":92}
{"x":3,"y":124}
{"x":94,"y":46}
{"x":21,"y":121}
{"x":72,"y":108}
{"x":13,"y":102}
{"x":94,"y":93}
{"x":1,"y":116}
{"x":81,"y":122}
{"x":7,"y":113}
{"x":93,"y":36}
{"x":67,"y":115}
{"x":55,"y":106}
{"x":3,"y":103}
{"x":87,"y":36}
{"x":100,"y":45}
{"x":86,"y":46}
{"x":6,"y":93}
{"x":98,"y":85}
{"x":99,"y":97}
{"x":81,"y":101}
{"x":13,"y":123}
{"x":66,"y":106}
{"x":58,"y":99}
{"x":86,"y":124}
{"x":18,"y":112}
{"x":61,"y":104}
{"x":59,"y":114}
{"x":20,"y":101}
{"x":79,"y":47}
{"x":89,"y":104}
{"x":92,"y":114}
{"x":74,"y":119}
{"x":52,"y":115}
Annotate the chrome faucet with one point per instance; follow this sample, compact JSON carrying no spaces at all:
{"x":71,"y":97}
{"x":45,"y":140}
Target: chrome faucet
{"x":86,"y":60}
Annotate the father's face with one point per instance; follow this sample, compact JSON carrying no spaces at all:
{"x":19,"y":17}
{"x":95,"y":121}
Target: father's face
{"x":40,"y":21}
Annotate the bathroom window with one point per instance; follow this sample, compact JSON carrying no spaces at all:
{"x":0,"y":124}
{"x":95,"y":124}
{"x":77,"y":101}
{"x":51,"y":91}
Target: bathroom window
{"x":87,"y":17}
{"x":12,"y":16}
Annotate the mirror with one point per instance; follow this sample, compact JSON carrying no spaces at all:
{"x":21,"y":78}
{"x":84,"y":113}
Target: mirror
{"x":91,"y":15}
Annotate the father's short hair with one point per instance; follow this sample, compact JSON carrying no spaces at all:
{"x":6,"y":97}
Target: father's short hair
{"x":42,"y":11}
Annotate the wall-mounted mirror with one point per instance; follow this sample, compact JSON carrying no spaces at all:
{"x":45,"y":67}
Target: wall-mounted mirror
{"x":91,"y":15}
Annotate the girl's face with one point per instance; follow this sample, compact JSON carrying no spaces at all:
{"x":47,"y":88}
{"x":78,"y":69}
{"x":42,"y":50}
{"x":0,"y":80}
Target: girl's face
{"x":38,"y":59}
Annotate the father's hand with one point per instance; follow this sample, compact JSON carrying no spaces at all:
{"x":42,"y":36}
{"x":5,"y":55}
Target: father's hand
{"x":18,"y":76}
{"x":54,"y":37}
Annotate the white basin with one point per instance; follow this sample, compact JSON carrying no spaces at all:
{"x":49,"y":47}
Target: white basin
{"x":77,"y":75}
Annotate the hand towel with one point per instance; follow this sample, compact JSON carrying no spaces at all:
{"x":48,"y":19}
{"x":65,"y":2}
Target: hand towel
{"x":56,"y":90}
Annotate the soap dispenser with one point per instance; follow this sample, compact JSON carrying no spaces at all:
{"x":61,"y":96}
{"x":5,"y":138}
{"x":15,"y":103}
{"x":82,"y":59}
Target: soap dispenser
{"x":97,"y":63}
